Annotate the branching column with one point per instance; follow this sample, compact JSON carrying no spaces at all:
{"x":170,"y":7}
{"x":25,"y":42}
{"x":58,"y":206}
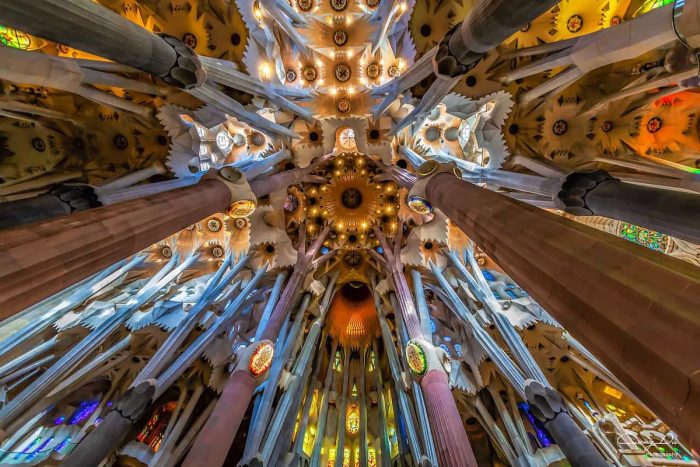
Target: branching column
{"x":634,"y":308}
{"x":451,"y":441}
{"x":91,"y":27}
{"x":217,"y":435}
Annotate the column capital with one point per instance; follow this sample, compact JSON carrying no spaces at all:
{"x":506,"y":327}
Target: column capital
{"x":445,"y":62}
{"x":545,"y":403}
{"x":243,"y":200}
{"x":187,"y":71}
{"x":417,"y":198}
{"x":570,"y":194}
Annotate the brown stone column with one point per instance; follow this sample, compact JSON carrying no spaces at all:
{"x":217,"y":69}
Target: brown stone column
{"x":637,"y":310}
{"x":451,"y":441}
{"x":214,"y":441}
{"x":41,"y":259}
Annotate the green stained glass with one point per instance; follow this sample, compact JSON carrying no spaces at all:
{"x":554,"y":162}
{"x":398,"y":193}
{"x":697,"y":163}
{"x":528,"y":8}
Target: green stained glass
{"x":645,"y":237}
{"x":14,"y":38}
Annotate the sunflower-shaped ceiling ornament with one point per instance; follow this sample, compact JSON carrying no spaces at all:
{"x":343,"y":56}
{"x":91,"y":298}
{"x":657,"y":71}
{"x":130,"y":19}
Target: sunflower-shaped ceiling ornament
{"x":431,"y":19}
{"x":575,"y":18}
{"x":535,"y":32}
{"x":350,"y":202}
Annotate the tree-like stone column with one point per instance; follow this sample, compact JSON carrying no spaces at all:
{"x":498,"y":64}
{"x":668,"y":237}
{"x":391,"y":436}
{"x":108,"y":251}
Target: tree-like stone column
{"x":451,"y":441}
{"x":633,"y":308}
{"x":90,"y":27}
{"x":41,"y":259}
{"x":675,"y":213}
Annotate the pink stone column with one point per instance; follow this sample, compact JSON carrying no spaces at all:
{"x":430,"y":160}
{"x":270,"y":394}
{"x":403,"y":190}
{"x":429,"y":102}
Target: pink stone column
{"x":451,"y":441}
{"x":635,"y":309}
{"x":216,"y":437}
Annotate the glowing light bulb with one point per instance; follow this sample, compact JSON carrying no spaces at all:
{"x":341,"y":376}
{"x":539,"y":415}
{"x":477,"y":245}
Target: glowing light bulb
{"x":265,"y":70}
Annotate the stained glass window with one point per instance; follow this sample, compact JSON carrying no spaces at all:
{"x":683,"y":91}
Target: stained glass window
{"x":446,"y":349}
{"x":84,"y":410}
{"x":432,"y":326}
{"x":152,"y":433}
{"x":458,"y":349}
{"x":372,"y":361}
{"x":14,"y":38}
{"x":488,"y":276}
{"x":352,"y":424}
{"x":338,"y":362}
{"x":645,"y":237}
{"x":371,"y":457}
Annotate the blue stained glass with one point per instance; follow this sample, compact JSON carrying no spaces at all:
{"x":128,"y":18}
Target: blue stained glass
{"x":446,"y":349}
{"x":488,"y":276}
{"x":497,"y":295}
{"x":325,"y":250}
{"x":59,"y":420}
{"x":458,"y":349}
{"x":380,"y":250}
{"x":511,"y":294}
{"x":62,"y":444}
{"x":432,"y":326}
{"x":84,"y":410}
{"x":543,"y":436}
{"x":39,"y":449}
{"x":26,"y":450}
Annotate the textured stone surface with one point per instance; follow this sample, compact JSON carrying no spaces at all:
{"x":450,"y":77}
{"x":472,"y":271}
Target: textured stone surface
{"x":451,"y":442}
{"x":40,"y":259}
{"x":633,"y":308}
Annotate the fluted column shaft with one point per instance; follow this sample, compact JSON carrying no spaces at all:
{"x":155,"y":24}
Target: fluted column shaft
{"x":216,"y":437}
{"x":634,"y":308}
{"x":41,"y":259}
{"x":451,"y":441}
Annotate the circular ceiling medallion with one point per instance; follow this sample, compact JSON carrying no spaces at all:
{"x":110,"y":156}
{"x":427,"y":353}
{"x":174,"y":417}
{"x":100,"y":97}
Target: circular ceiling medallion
{"x":433,"y":133}
{"x":241,"y":208}
{"x":574,"y":23}
{"x":374,"y":70}
{"x":416,"y":358}
{"x":372,"y":3}
{"x":190,"y":40}
{"x":256,"y":139}
{"x":525,"y":28}
{"x":291,"y":75}
{"x":452,"y":133}
{"x":615,"y":20}
{"x":291,"y":203}
{"x":214,"y":225}
{"x":419,"y":205}
{"x":309,"y":73}
{"x":393,"y":71}
{"x":240,"y":223}
{"x":261,"y":359}
{"x":339,"y":5}
{"x":654,"y":124}
{"x":305,"y":5}
{"x":40,"y":146}
{"x":351,"y":198}
{"x":340,"y":37}
{"x":607,"y":126}
{"x":343,"y":106}
{"x":342,"y":72}
{"x":560,"y":127}
{"x":167,"y":252}
{"x":217,"y":251}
